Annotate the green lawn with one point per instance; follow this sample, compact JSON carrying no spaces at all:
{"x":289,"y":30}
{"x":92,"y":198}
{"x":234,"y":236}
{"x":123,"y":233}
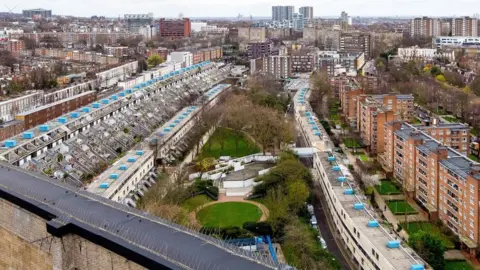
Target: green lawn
{"x":194,"y":202}
{"x":363,"y":157}
{"x":228,"y":214}
{"x":228,"y":138}
{"x":334,"y":117}
{"x":386,"y":187}
{"x":400,"y":207}
{"x":415,"y":121}
{"x":457,"y":265}
{"x":414,"y":227}
{"x":451,"y":119}
{"x":473,"y":157}
{"x":351,"y":143}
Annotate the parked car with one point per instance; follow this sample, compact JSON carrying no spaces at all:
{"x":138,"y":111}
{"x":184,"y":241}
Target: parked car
{"x":313,"y":221}
{"x":310,"y":209}
{"x":322,"y":242}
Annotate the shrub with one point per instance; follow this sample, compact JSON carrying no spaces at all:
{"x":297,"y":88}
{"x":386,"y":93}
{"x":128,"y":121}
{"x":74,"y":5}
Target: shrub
{"x":399,"y":227}
{"x":258,"y":228}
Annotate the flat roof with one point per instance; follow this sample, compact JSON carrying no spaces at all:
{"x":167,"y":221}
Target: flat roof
{"x":400,"y":258}
{"x":55,"y":124}
{"x":10,"y":123}
{"x":56,"y":103}
{"x":139,"y":157}
{"x":250,"y":171}
{"x":141,"y":237}
{"x":20,"y":98}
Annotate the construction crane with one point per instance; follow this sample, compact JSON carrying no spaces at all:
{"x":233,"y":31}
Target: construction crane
{"x":11,"y":10}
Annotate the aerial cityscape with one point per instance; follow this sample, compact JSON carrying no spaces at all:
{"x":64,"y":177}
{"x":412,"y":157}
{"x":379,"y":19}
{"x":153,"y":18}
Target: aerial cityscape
{"x":165,"y":135}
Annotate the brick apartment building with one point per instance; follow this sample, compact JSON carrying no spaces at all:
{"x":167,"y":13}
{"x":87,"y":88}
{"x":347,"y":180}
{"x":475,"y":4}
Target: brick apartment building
{"x":368,"y":82}
{"x":348,"y":91}
{"x":443,"y":180}
{"x":15,"y":46}
{"x":175,"y":28}
{"x":356,"y":43}
{"x":303,"y":61}
{"x":10,"y":129}
{"x":51,"y":111}
{"x":373,"y":111}
{"x":162,"y":52}
{"x":259,"y":49}
{"x":277,"y":65}
{"x":400,"y":138}
{"x":373,"y":117}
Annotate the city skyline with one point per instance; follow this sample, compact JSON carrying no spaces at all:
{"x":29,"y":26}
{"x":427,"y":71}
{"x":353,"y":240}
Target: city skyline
{"x":374,"y":8}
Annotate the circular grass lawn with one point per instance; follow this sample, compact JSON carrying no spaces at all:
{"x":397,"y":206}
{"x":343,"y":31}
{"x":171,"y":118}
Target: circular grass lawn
{"x":228,"y":214}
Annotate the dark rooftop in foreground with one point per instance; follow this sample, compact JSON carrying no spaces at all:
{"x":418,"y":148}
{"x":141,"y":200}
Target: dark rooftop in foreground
{"x":149,"y":241}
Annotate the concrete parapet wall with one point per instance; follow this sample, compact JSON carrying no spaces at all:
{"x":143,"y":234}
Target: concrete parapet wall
{"x":26,"y":244}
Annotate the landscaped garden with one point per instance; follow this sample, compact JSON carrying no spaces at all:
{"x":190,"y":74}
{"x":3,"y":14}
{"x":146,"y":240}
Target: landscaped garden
{"x":457,"y":265}
{"x":196,"y":201}
{"x":228,"y":214}
{"x":227,"y":142}
{"x":386,"y":187}
{"x":451,"y":119}
{"x":401,"y":207}
{"x":352,"y":143}
{"x":413,"y":227}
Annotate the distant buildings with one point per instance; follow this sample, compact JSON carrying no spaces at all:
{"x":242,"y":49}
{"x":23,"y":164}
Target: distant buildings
{"x":425,"y":54}
{"x":182,"y":57}
{"x":280,"y":13}
{"x":175,"y":28}
{"x":39,"y":12}
{"x":465,"y":26}
{"x":323,"y":38}
{"x":251,"y":34}
{"x":307,"y":12}
{"x":278,"y":66}
{"x":135,"y":21}
{"x":15,"y":46}
{"x":335,"y":63}
{"x":303,"y":61}
{"x":259,"y":49}
{"x":298,"y":21}
{"x":425,"y":27}
{"x":355,"y":43}
{"x":460,"y":42}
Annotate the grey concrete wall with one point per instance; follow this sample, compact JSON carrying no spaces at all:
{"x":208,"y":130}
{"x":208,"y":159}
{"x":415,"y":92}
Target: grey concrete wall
{"x":26,"y":244}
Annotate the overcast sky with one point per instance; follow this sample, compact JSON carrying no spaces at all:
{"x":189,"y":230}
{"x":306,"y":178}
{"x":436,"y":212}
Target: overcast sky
{"x":256,"y":8}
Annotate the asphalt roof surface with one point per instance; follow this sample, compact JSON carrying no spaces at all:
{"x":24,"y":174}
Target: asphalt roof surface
{"x":139,"y":232}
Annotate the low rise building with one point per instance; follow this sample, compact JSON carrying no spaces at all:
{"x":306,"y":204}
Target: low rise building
{"x":425,"y":54}
{"x":127,"y":175}
{"x":11,"y":128}
{"x":11,"y":107}
{"x":181,"y":57}
{"x":51,"y":111}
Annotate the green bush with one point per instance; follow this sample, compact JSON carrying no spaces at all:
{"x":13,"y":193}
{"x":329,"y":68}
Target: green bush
{"x":258,"y":228}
